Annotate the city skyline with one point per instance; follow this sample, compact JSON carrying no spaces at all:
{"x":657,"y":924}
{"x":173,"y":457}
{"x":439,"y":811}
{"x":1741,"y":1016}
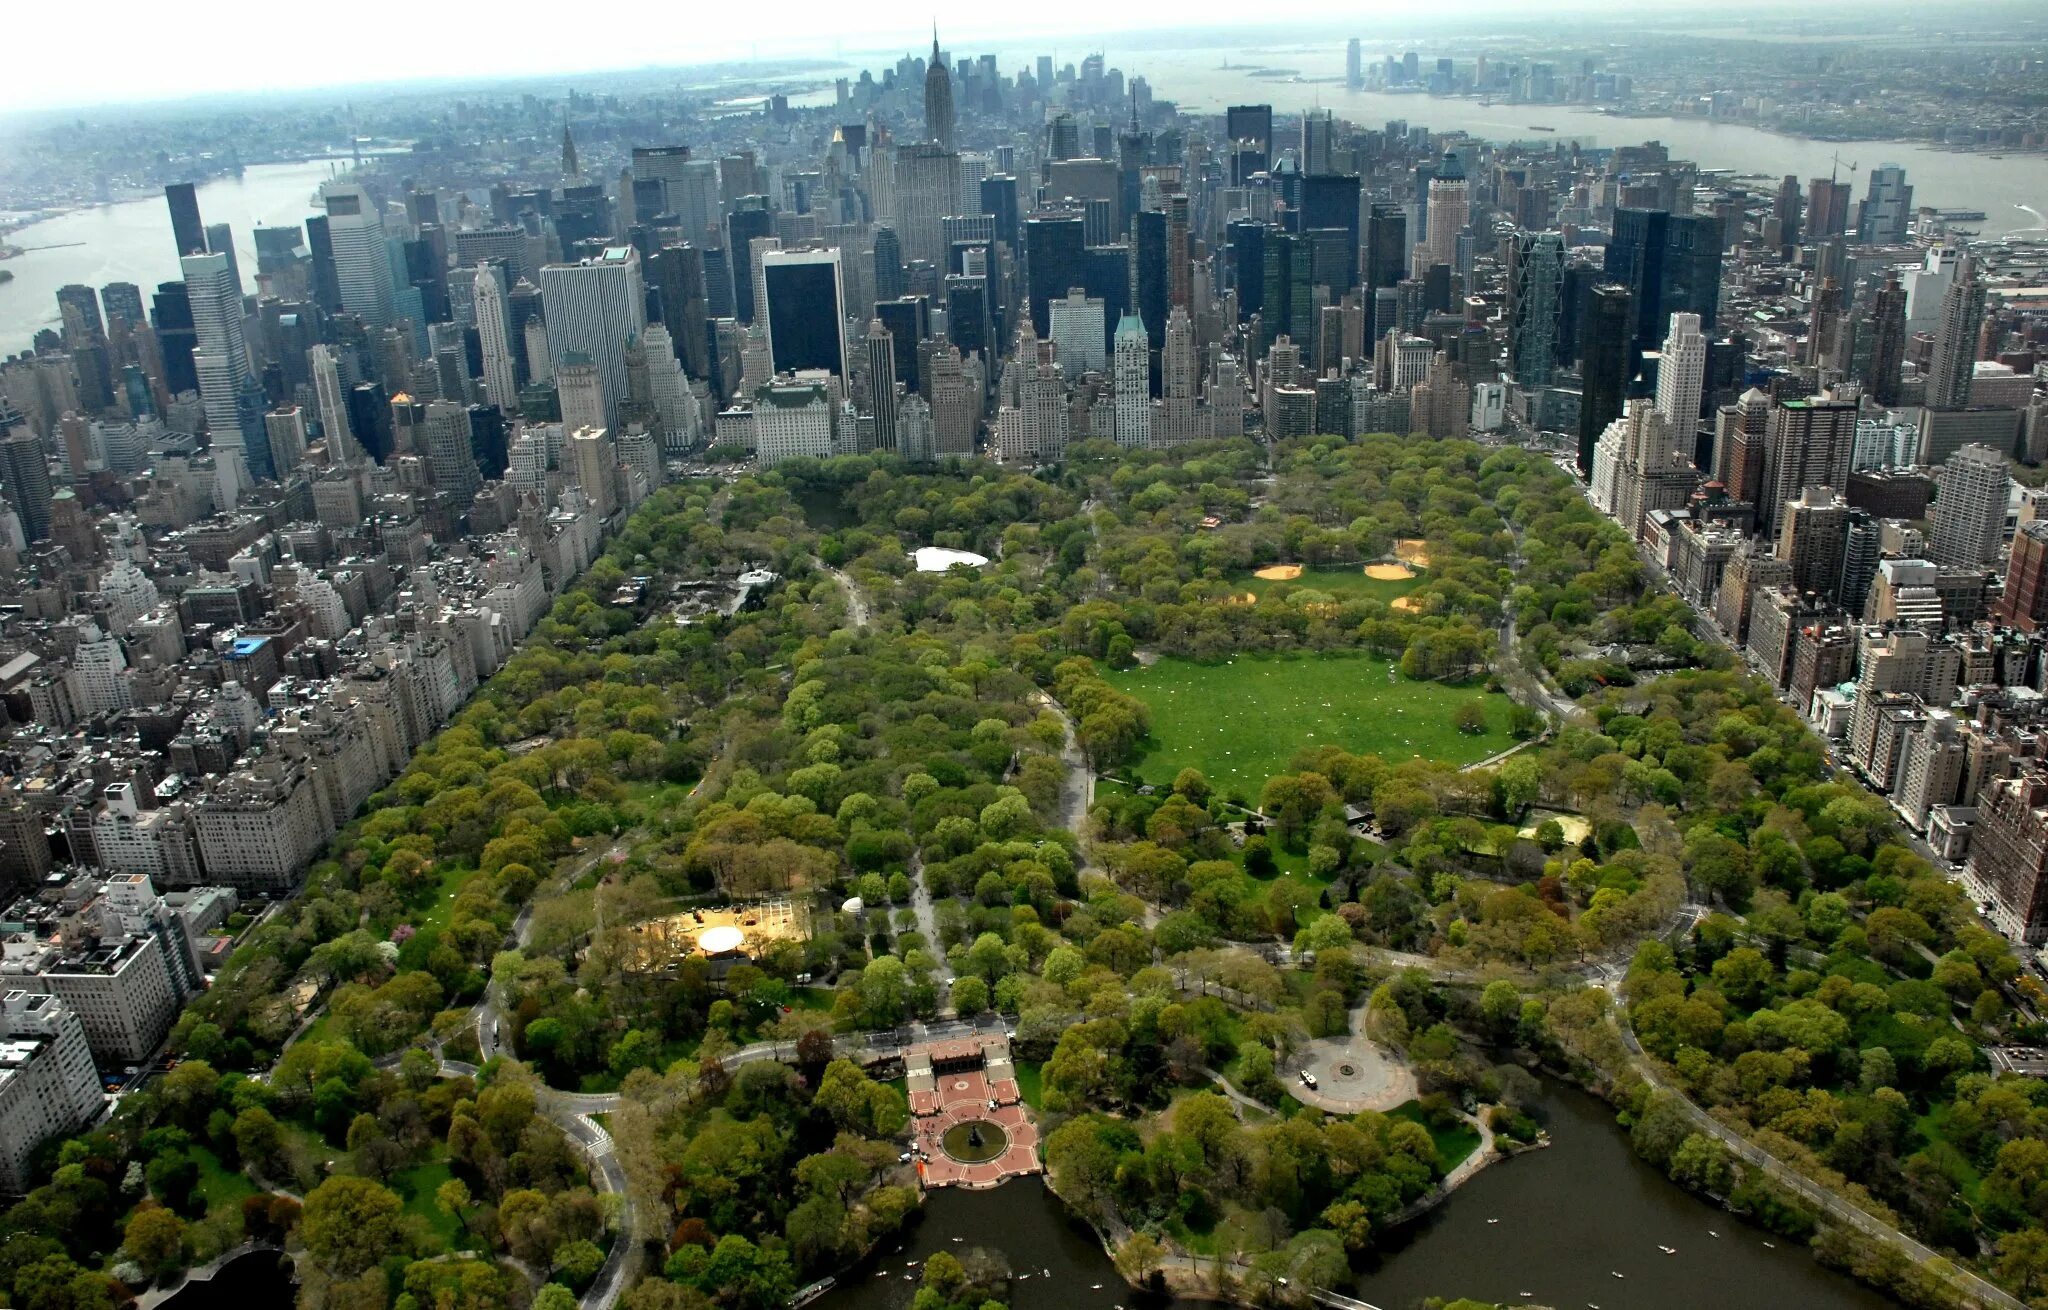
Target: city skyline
{"x":152,"y":57}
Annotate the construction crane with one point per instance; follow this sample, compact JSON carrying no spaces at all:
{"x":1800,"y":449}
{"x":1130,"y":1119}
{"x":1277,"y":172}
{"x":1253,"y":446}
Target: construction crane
{"x":1837,"y":160}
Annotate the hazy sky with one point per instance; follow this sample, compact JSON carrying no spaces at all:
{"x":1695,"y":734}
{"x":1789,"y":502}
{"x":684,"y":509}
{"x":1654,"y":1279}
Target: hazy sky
{"x":71,"y":53}
{"x":66,"y":54}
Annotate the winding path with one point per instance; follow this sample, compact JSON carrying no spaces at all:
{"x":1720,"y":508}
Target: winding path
{"x":856,"y":601}
{"x":1077,"y":788}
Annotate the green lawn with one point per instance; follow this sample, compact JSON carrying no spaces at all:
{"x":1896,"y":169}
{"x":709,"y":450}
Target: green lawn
{"x":418,"y":1185}
{"x":1453,"y":1144}
{"x":1343,"y":583}
{"x":453,"y":874}
{"x":1030,"y":1083}
{"x":1240,"y":721}
{"x":222,"y":1187}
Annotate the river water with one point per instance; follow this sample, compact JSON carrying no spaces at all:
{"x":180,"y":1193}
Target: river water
{"x":131,"y":242}
{"x":1569,"y":1216}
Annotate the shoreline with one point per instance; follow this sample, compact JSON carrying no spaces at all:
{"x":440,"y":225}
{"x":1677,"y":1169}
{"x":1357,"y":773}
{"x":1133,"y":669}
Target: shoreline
{"x":49,"y":214}
{"x":1206,"y":1277}
{"x":1639,"y":115}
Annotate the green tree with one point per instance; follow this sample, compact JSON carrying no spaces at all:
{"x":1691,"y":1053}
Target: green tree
{"x":1500,"y":1005}
{"x":553,"y":1296}
{"x":970,"y":995}
{"x":350,"y":1224}
{"x":155,"y":1239}
{"x":576,"y":1263}
{"x":453,"y":1199}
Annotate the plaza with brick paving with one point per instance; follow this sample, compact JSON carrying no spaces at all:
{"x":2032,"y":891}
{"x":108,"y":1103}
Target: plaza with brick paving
{"x":965,"y":1082}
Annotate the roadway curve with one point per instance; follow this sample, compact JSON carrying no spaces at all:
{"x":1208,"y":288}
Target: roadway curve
{"x":1835,"y":1207}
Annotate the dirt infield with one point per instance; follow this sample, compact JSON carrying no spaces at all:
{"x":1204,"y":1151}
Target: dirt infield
{"x":1408,"y":603}
{"x":1279,"y":572}
{"x":1412,"y":550}
{"x":1389,"y":572}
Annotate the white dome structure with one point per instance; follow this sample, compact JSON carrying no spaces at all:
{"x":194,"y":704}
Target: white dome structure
{"x":720,"y":941}
{"x":937,"y":559}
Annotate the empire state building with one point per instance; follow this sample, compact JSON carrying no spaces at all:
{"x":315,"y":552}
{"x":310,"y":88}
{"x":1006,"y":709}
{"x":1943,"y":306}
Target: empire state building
{"x":938,"y":98}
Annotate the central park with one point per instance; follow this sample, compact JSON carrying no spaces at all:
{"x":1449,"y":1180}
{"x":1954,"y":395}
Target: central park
{"x":1441,"y":821}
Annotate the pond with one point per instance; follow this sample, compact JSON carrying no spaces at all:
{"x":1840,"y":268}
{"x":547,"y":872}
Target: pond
{"x":825,"y":508}
{"x":260,"y":1278}
{"x":1586,"y":1208}
{"x":1570,"y":1217}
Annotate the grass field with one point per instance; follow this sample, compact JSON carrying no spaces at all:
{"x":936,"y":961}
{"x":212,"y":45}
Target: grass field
{"x":1345,"y":583}
{"x":1031,"y":1083}
{"x":1240,"y":721}
{"x":1453,"y":1144}
{"x":222,"y":1187}
{"x":418,"y":1185}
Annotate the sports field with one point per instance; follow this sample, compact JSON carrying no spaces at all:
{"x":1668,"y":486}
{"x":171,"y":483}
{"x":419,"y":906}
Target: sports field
{"x":1341,"y":584}
{"x":1240,"y":721}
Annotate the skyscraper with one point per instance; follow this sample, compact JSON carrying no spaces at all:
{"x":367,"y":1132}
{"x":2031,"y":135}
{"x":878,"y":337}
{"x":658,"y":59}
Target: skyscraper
{"x":806,"y":310}
{"x":1608,"y":362}
{"x":332,"y":405}
{"x":1054,"y":261}
{"x":888,"y":264}
{"x":938,"y":99}
{"x":1133,"y":384}
{"x":1176,"y":421}
{"x":1450,"y":208}
{"x":1248,"y":130}
{"x":78,"y":306}
{"x":1670,"y":264}
{"x":1317,"y":127}
{"x":955,"y":404}
{"x":451,"y":452}
{"x":1785,"y":208}
{"x":1886,"y":214}
{"x":124,"y":304}
{"x":1968,"y":518}
{"x":927,"y":179}
{"x":881,"y":362}
{"x":1807,"y":443}
{"x":750,"y":221}
{"x":1354,"y":66}
{"x":2024,"y":602}
{"x":1955,"y":338}
{"x":664,"y":166}
{"x":1682,"y":376}
{"x":678,"y":274}
{"x":326,"y":281}
{"x":999,"y":201}
{"x":1827,"y":209}
{"x":25,"y":477}
{"x":362,"y":268}
{"x":188,"y":231}
{"x":221,"y":354}
{"x":1884,"y":327}
{"x":1535,"y":281}
{"x":494,"y":338}
{"x":594,"y":307}
{"x":1079,"y":333}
